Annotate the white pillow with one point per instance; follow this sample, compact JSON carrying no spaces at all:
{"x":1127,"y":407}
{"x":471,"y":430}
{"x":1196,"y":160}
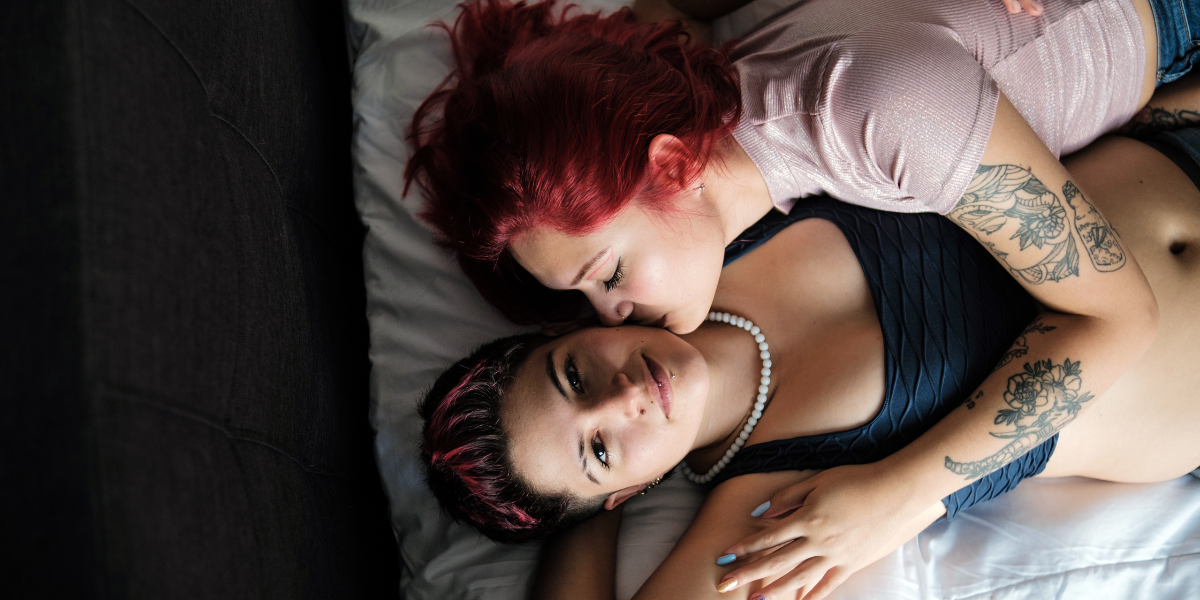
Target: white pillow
{"x":1074,"y":538}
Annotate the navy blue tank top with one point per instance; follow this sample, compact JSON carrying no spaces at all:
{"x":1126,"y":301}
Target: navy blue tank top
{"x":949,"y":312}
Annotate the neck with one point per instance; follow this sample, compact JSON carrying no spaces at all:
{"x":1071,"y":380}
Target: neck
{"x":733,"y":367}
{"x":737,"y":190}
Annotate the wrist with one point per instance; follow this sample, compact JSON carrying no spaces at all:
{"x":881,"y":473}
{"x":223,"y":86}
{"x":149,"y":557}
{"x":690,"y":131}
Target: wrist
{"x":918,"y":481}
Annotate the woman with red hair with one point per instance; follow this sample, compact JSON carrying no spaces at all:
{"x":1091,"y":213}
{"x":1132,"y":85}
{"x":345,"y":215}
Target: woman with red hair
{"x":591,"y":153}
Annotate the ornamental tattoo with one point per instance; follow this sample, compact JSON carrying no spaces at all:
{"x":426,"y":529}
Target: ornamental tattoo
{"x":1021,"y":221}
{"x":1097,"y":234}
{"x":1021,"y":346}
{"x":1153,"y":120}
{"x":1041,"y":400}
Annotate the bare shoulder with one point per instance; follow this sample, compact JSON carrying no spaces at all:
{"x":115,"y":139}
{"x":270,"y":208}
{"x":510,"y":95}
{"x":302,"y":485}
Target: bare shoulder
{"x":690,"y":571}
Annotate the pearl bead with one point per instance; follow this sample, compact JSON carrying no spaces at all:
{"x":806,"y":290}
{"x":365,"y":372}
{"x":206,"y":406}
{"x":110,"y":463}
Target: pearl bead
{"x":760,"y":400}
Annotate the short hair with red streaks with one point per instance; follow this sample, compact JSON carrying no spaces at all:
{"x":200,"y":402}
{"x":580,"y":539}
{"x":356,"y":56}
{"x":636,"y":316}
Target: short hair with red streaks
{"x":465,"y":450}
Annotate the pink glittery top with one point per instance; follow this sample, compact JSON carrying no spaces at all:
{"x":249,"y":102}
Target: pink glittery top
{"x":889,"y":103}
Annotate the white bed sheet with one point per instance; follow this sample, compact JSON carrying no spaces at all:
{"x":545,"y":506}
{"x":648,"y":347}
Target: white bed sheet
{"x":1050,"y":539}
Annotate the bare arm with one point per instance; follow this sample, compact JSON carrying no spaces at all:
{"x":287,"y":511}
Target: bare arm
{"x":707,"y":10}
{"x":1023,"y":206}
{"x":1174,"y":105}
{"x":580,"y":563}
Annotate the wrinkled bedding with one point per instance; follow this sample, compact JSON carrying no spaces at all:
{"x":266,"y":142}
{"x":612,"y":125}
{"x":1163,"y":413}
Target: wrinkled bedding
{"x":1069,"y":538}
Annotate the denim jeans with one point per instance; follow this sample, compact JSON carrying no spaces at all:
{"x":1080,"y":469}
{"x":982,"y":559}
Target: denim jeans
{"x":1178,"y":25}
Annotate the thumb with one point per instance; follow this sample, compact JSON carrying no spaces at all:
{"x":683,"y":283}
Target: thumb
{"x":789,"y":498}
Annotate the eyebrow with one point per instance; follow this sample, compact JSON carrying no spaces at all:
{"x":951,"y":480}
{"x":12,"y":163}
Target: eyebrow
{"x":583,"y":463}
{"x":552,"y":373}
{"x":591,"y":263}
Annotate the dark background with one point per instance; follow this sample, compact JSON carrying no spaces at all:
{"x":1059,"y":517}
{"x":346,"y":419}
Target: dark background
{"x":183,"y":340}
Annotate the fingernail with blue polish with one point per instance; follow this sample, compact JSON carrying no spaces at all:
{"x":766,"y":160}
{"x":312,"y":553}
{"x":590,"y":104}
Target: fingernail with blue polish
{"x":726,"y":559}
{"x":762,"y":508}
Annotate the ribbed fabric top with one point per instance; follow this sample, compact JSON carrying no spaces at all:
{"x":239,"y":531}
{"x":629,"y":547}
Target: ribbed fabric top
{"x":947,"y":311}
{"x":890,"y":104}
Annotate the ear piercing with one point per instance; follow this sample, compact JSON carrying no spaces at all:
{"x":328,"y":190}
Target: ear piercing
{"x":652,"y":484}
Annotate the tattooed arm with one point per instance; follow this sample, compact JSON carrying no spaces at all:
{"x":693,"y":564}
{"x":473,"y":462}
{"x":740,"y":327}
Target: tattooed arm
{"x":1100,"y":316}
{"x":1174,"y":106}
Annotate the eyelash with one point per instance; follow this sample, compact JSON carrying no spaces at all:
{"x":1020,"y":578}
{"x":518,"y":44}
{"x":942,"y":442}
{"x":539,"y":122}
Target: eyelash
{"x":571,"y":370}
{"x":599,"y":451}
{"x":618,"y":274}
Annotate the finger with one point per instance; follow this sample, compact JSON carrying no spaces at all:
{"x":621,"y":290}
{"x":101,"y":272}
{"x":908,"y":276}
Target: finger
{"x":832,"y":579}
{"x":781,"y":561}
{"x":1012,"y":6}
{"x":1033,"y":7}
{"x":797,"y":582}
{"x":782,"y":532}
{"x":788,"y":498}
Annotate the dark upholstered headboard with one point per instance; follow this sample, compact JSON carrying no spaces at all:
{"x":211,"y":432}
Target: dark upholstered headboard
{"x":183,"y":341}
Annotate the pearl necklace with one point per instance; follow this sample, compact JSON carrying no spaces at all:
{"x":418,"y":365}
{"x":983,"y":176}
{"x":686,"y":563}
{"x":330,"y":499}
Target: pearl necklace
{"x":760,"y":401}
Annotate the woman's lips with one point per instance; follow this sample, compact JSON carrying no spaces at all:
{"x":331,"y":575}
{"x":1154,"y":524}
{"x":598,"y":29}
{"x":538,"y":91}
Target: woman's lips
{"x":662,"y":384}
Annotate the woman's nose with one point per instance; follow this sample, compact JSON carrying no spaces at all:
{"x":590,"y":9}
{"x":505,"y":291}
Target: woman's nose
{"x":623,"y":397}
{"x":615,"y":313}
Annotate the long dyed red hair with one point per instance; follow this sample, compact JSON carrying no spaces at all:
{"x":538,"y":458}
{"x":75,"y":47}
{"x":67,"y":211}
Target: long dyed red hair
{"x":546,"y":120}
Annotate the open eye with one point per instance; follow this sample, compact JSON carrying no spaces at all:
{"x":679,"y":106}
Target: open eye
{"x":599,"y":451}
{"x":616,"y":278}
{"x":571,"y":370}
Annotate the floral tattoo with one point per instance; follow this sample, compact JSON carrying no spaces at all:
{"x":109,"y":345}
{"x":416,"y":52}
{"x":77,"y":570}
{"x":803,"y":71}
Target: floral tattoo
{"x":1021,"y":221}
{"x":1152,"y":120}
{"x":1021,"y":346}
{"x":1041,"y":400}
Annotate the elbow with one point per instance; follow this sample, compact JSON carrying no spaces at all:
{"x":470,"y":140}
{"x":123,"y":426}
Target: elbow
{"x":1139,"y":323}
{"x":1148,"y":318}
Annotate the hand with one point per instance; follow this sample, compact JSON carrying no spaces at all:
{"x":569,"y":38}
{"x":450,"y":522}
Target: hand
{"x":1033,"y":7}
{"x":843,"y":518}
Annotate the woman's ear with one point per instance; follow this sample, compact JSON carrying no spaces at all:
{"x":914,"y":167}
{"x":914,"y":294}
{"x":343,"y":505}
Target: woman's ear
{"x":669,"y":160}
{"x":614,"y":500}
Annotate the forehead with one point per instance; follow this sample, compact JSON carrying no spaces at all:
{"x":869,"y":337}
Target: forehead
{"x":542,"y":438}
{"x":554,"y":257}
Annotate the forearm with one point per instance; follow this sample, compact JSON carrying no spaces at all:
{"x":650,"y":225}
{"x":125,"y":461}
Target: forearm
{"x":1056,"y":369}
{"x":1174,"y":106}
{"x":707,"y":10}
{"x":580,"y":563}
{"x":653,"y":11}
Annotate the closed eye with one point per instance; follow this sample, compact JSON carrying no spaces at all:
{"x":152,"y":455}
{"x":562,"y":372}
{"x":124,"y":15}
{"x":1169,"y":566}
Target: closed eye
{"x":615,"y":280}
